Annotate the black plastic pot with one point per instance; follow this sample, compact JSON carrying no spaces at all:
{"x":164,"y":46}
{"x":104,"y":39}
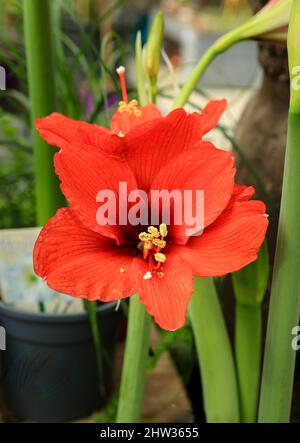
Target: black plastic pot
{"x":49,"y":364}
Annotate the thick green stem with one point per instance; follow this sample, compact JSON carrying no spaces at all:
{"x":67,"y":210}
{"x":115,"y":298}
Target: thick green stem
{"x":135,"y":363}
{"x":248,"y":334}
{"x":39,"y":55}
{"x":279,"y":362}
{"x":214,"y":353}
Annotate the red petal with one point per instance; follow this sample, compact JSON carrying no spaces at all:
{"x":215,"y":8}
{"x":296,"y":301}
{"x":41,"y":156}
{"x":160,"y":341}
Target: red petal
{"x":59,"y":130}
{"x":76,"y":261}
{"x":165,"y":298}
{"x":83,"y":174}
{"x":206,"y":169}
{"x":211,"y":114}
{"x":153,"y":145}
{"x":242,"y":193}
{"x":124,"y":122}
{"x":231,"y":242}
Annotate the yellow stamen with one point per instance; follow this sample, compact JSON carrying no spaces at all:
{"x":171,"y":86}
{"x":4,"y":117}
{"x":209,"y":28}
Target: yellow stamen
{"x":151,"y":243}
{"x":159,"y":243}
{"x":153,"y":231}
{"x":130,"y":108}
{"x":163,"y":230}
{"x":144,"y":236}
{"x":147,"y":245}
{"x":161,"y":258}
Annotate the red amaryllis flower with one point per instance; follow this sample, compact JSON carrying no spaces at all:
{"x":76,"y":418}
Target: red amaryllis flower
{"x":77,"y":256}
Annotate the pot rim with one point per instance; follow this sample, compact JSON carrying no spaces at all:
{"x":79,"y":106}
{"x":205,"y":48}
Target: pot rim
{"x":42,"y":317}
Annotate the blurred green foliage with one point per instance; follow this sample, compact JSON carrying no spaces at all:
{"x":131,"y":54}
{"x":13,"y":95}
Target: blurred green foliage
{"x":85,"y":59}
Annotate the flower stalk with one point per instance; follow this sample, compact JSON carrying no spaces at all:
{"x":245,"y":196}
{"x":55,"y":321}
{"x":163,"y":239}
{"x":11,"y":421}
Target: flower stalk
{"x":248,"y":346}
{"x":135,"y":363}
{"x":250,"y":284}
{"x":265,"y":24}
{"x":214,"y":353}
{"x":38,"y":40}
{"x":279,"y":361}
{"x":139,"y":322}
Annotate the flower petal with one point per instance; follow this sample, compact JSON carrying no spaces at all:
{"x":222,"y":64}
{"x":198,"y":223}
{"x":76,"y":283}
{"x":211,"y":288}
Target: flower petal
{"x":167,"y":297}
{"x":211,"y":114}
{"x":206,"y":169}
{"x":83,"y":174}
{"x":154,"y":144}
{"x":231,"y":242}
{"x":124,"y":122}
{"x":76,"y":261}
{"x":59,"y":130}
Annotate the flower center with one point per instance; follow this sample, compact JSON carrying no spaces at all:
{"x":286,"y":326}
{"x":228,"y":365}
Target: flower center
{"x":151,"y":244}
{"x":130,"y":108}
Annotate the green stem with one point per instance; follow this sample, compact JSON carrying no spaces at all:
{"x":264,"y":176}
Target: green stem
{"x":248,"y":330}
{"x":38,"y":40}
{"x":135,"y":363}
{"x":153,"y":89}
{"x":91,"y":309}
{"x":214,"y":353}
{"x":223,"y":43}
{"x":261,"y":23}
{"x":279,"y":362}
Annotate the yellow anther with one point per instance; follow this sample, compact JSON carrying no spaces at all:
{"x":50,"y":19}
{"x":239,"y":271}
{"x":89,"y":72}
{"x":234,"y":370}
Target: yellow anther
{"x":144,"y":236}
{"x":151,"y":243}
{"x":147,"y":245}
{"x":133,"y":103}
{"x":123,"y":106}
{"x":159,"y":243}
{"x":163,"y":230}
{"x":161,"y":258}
{"x":153,"y":231}
{"x":130,"y":108}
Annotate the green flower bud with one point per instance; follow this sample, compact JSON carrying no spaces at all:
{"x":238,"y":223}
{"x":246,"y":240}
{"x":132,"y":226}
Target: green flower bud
{"x":153,"y":46}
